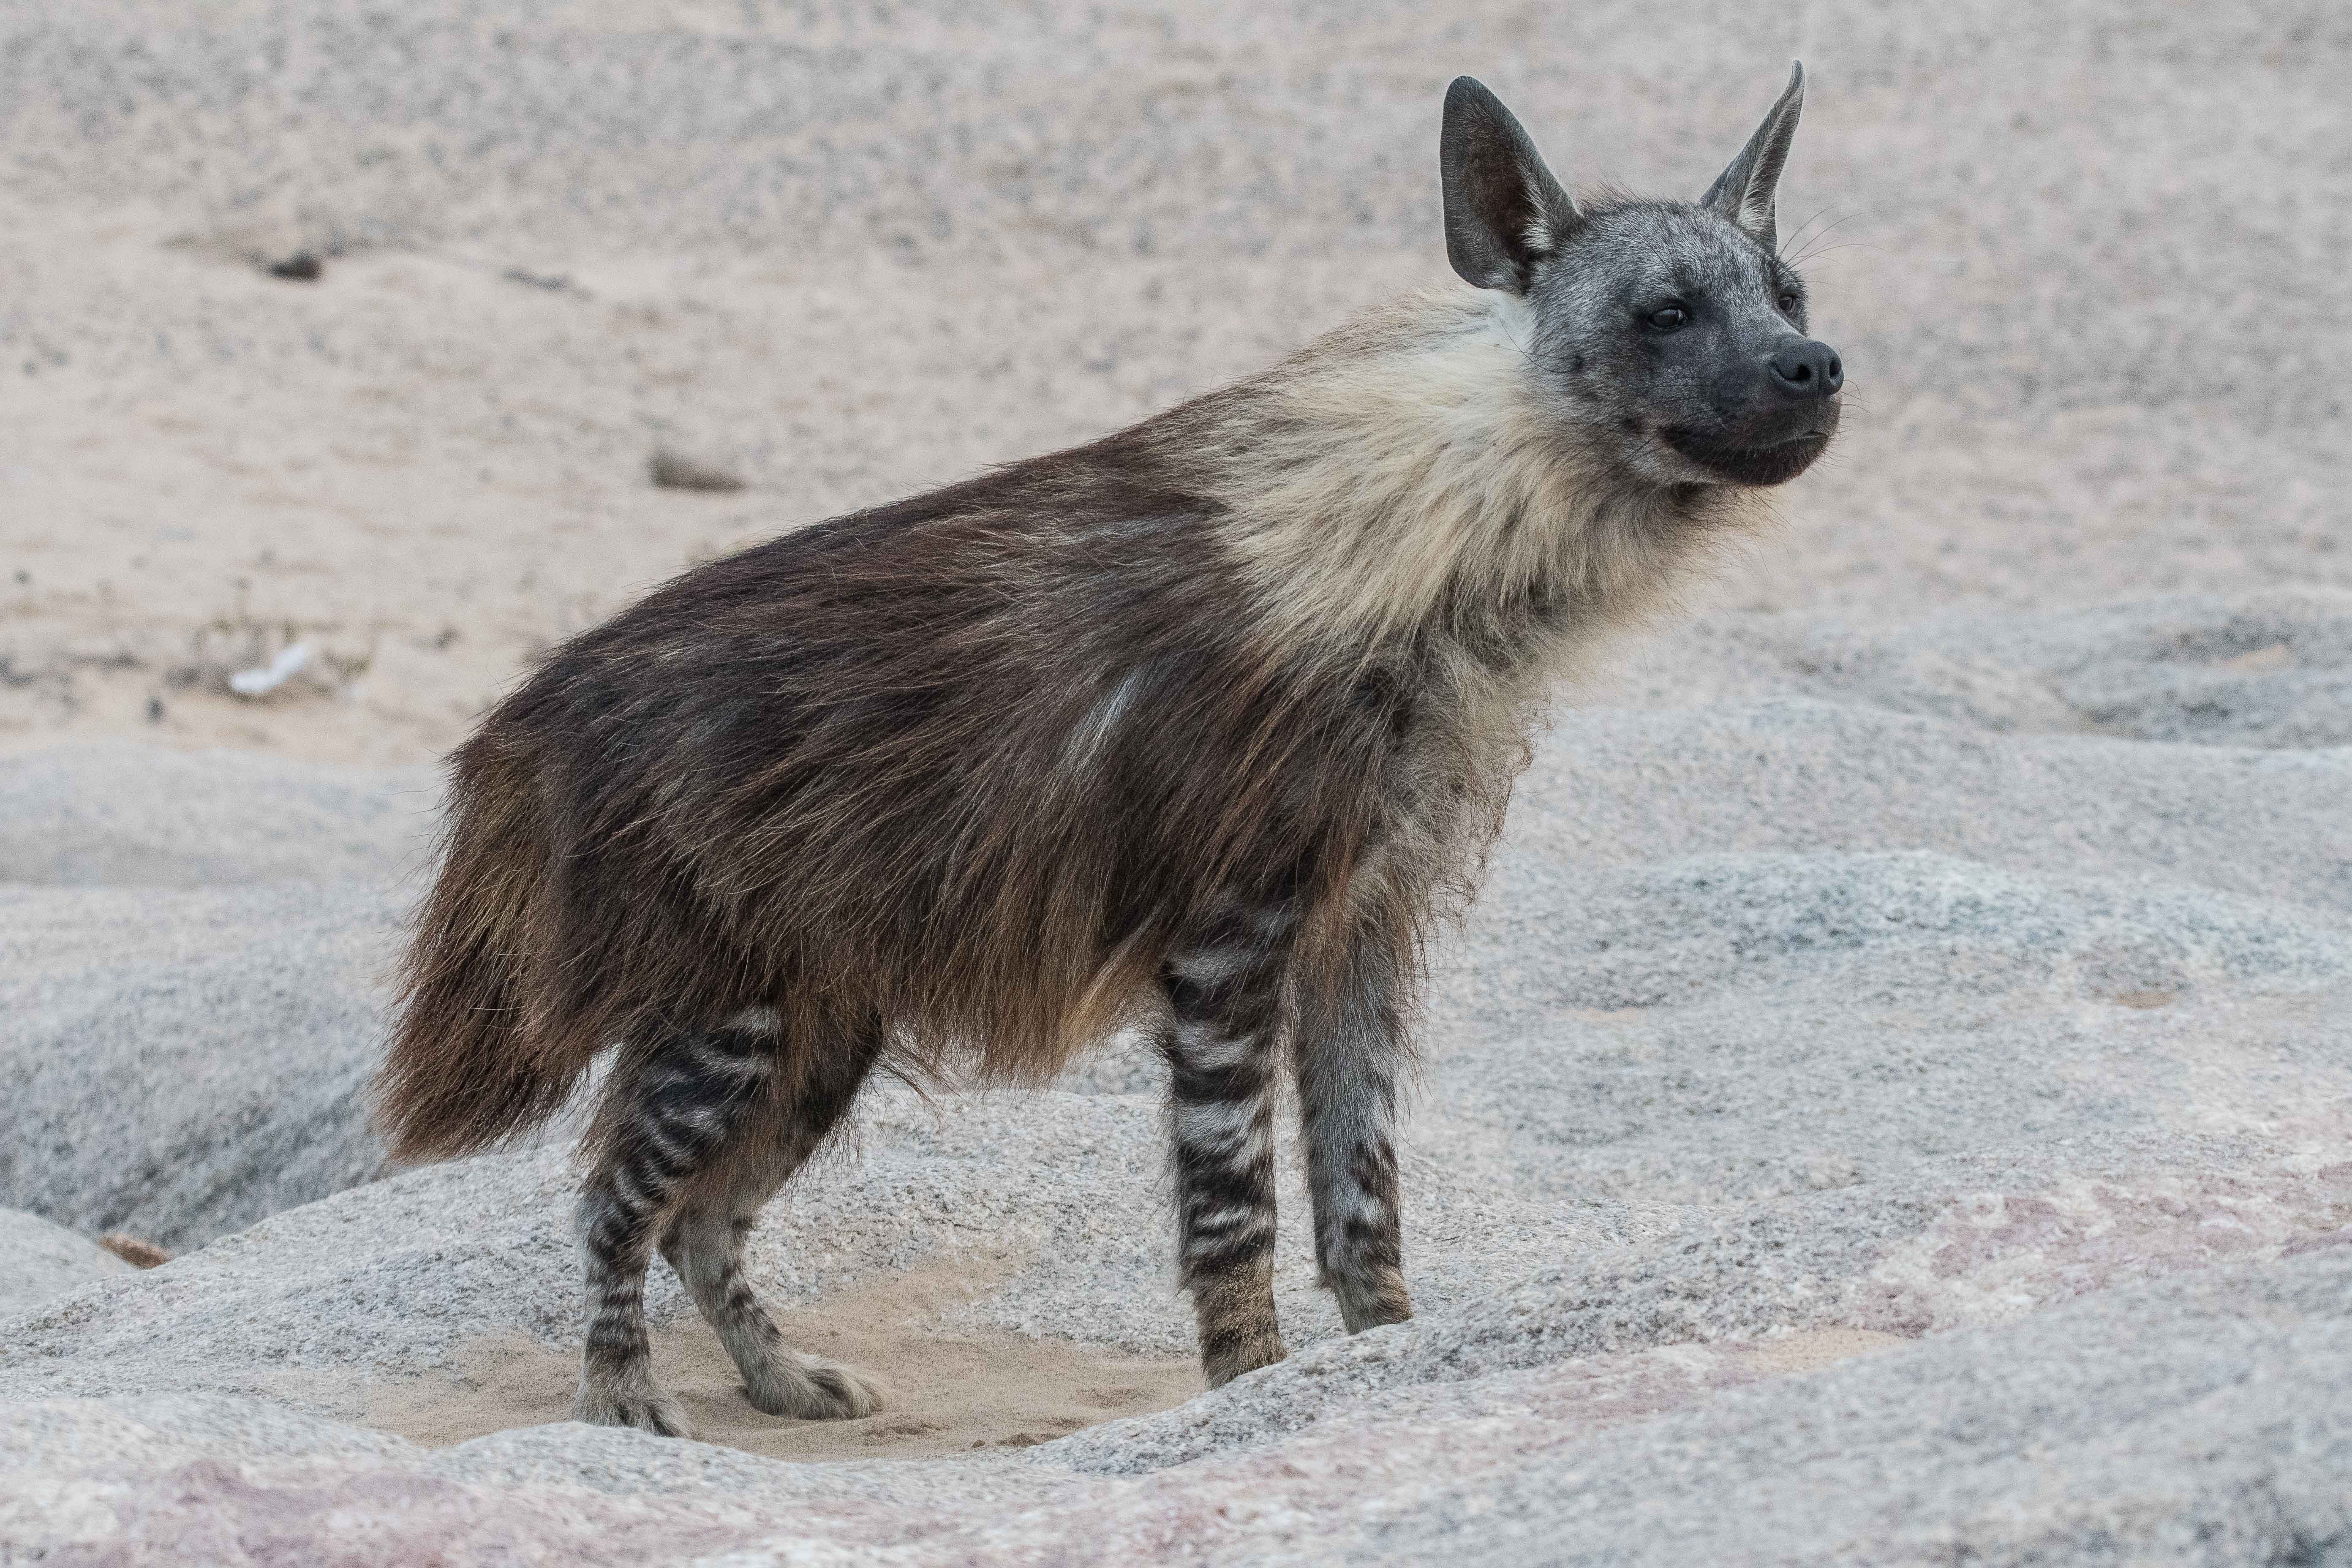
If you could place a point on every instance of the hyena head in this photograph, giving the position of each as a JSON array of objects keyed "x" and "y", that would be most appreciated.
[{"x": 1670, "y": 333}]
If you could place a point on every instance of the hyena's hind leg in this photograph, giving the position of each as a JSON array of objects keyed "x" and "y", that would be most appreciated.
[
  {"x": 1223, "y": 991},
  {"x": 704, "y": 1240},
  {"x": 667, "y": 1113},
  {"x": 1350, "y": 1049},
  {"x": 673, "y": 1116}
]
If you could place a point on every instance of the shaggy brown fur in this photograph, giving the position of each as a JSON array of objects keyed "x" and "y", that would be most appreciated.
[
  {"x": 1195, "y": 725},
  {"x": 969, "y": 763}
]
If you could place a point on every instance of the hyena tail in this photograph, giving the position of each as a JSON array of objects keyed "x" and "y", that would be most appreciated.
[{"x": 467, "y": 1067}]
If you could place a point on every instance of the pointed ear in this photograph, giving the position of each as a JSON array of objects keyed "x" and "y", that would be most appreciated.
[
  {"x": 1504, "y": 212},
  {"x": 1744, "y": 191}
]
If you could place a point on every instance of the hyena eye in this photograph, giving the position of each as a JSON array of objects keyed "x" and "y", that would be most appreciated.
[
  {"x": 1668, "y": 318},
  {"x": 1788, "y": 304}
]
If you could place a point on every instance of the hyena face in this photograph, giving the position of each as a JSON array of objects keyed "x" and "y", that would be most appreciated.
[
  {"x": 1680, "y": 341},
  {"x": 1671, "y": 335}
]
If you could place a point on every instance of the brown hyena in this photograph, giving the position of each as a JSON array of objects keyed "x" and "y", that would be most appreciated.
[{"x": 1192, "y": 727}]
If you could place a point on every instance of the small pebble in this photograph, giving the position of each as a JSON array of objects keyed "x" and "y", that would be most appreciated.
[{"x": 672, "y": 472}]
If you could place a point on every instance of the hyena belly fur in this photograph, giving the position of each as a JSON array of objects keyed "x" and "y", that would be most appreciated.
[{"x": 1192, "y": 727}]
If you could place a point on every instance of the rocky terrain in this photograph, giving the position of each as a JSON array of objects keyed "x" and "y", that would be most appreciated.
[{"x": 1892, "y": 1102}]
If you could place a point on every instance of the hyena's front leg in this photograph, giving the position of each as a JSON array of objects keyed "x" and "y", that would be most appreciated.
[
  {"x": 1224, "y": 1001},
  {"x": 1350, "y": 1047}
]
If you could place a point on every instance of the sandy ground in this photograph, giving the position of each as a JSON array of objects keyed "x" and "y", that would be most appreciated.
[
  {"x": 949, "y": 1390},
  {"x": 2082, "y": 262},
  {"x": 950, "y": 1393}
]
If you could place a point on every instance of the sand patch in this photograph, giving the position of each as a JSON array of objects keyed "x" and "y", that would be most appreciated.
[{"x": 946, "y": 1391}]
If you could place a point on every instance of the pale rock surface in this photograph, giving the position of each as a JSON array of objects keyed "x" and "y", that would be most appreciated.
[
  {"x": 1794, "y": 1030},
  {"x": 180, "y": 1062},
  {"x": 2197, "y": 1421},
  {"x": 39, "y": 1260},
  {"x": 207, "y": 820}
]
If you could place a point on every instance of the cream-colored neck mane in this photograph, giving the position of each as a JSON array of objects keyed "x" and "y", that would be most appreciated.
[{"x": 1411, "y": 463}]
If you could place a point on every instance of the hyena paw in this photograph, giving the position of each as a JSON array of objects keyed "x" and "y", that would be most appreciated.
[
  {"x": 850, "y": 1393},
  {"x": 1369, "y": 1302},
  {"x": 812, "y": 1390},
  {"x": 646, "y": 1408},
  {"x": 1229, "y": 1361}
]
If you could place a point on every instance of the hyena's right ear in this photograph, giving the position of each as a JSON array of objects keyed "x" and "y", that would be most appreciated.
[{"x": 1504, "y": 212}]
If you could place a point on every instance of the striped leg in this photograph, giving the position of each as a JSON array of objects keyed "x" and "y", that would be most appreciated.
[
  {"x": 1349, "y": 1048},
  {"x": 704, "y": 1242},
  {"x": 1224, "y": 995},
  {"x": 683, "y": 1101}
]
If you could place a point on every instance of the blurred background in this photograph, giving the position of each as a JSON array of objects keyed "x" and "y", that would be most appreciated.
[{"x": 2086, "y": 263}]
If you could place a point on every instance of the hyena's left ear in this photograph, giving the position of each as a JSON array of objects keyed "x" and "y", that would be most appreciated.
[
  {"x": 1504, "y": 212},
  {"x": 1744, "y": 191}
]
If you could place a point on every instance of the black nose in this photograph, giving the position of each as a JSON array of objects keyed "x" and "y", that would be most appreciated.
[{"x": 1803, "y": 368}]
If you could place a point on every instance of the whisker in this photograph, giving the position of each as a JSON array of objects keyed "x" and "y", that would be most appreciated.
[
  {"x": 1849, "y": 244},
  {"x": 1796, "y": 235},
  {"x": 1822, "y": 234}
]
